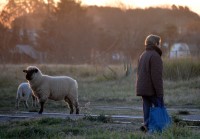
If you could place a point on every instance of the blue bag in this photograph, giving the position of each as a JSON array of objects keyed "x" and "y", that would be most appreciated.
[{"x": 158, "y": 119}]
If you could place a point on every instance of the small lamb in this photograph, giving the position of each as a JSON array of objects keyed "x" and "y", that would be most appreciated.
[
  {"x": 23, "y": 94},
  {"x": 53, "y": 87}
]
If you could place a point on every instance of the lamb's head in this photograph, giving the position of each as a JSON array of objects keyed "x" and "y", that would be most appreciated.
[{"x": 32, "y": 72}]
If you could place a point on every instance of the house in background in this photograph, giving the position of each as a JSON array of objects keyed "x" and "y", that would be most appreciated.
[
  {"x": 26, "y": 53},
  {"x": 25, "y": 50},
  {"x": 179, "y": 50}
]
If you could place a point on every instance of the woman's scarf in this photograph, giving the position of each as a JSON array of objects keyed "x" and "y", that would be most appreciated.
[{"x": 153, "y": 47}]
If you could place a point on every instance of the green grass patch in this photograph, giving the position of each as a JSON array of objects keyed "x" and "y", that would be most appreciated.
[
  {"x": 83, "y": 128},
  {"x": 100, "y": 118}
]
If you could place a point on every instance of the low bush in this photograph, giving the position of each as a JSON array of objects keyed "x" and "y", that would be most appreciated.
[{"x": 181, "y": 69}]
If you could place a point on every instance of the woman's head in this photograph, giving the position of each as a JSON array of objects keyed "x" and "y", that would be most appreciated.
[{"x": 153, "y": 40}]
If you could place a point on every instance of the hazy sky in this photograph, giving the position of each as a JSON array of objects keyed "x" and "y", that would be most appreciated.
[{"x": 194, "y": 5}]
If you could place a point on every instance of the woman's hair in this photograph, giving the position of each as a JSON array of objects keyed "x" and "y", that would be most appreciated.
[{"x": 152, "y": 40}]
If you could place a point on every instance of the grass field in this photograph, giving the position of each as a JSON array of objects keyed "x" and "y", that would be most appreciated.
[
  {"x": 98, "y": 86},
  {"x": 87, "y": 129}
]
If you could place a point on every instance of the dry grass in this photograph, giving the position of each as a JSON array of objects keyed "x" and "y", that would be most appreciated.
[
  {"x": 181, "y": 69},
  {"x": 99, "y": 85}
]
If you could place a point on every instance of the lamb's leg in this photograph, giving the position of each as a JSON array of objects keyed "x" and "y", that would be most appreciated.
[
  {"x": 41, "y": 107},
  {"x": 70, "y": 104},
  {"x": 17, "y": 103},
  {"x": 36, "y": 104},
  {"x": 33, "y": 101},
  {"x": 26, "y": 104}
]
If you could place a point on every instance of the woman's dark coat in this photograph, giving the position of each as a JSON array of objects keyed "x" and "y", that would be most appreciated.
[{"x": 149, "y": 73}]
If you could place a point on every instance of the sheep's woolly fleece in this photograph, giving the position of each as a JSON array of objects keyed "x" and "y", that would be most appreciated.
[
  {"x": 23, "y": 94},
  {"x": 53, "y": 87}
]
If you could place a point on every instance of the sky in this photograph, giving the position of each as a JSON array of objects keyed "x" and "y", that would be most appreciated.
[{"x": 194, "y": 5}]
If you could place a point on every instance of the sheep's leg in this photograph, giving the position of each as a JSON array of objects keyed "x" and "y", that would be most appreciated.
[
  {"x": 36, "y": 104},
  {"x": 77, "y": 107},
  {"x": 41, "y": 107},
  {"x": 32, "y": 100},
  {"x": 71, "y": 108},
  {"x": 70, "y": 104}
]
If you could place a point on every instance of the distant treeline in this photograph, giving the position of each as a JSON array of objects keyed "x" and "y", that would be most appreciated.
[{"x": 67, "y": 32}]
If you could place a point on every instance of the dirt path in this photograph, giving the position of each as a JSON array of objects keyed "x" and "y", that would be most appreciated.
[
  {"x": 30, "y": 115},
  {"x": 195, "y": 116}
]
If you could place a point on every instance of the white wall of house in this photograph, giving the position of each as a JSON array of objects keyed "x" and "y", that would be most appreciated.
[{"x": 179, "y": 50}]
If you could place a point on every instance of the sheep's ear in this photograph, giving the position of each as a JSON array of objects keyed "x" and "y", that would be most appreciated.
[
  {"x": 25, "y": 71},
  {"x": 36, "y": 70}
]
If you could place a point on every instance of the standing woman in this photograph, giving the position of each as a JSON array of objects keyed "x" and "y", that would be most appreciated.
[{"x": 149, "y": 83}]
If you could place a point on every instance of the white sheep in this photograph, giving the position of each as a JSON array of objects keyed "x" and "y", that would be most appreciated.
[
  {"x": 52, "y": 87},
  {"x": 24, "y": 92}
]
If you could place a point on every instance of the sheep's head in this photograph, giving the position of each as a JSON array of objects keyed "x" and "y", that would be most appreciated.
[{"x": 30, "y": 72}]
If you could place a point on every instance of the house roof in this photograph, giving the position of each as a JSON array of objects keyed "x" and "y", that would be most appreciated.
[
  {"x": 180, "y": 47},
  {"x": 26, "y": 49}
]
